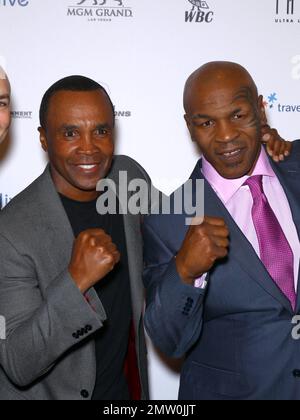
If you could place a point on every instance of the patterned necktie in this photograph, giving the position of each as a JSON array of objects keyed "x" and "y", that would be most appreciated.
[{"x": 275, "y": 251}]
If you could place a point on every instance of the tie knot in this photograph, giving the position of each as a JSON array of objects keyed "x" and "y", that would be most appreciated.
[{"x": 255, "y": 183}]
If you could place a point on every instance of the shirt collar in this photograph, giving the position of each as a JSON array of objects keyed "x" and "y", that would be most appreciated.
[{"x": 227, "y": 188}]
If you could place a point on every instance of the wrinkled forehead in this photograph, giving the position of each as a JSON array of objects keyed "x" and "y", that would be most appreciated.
[{"x": 219, "y": 94}]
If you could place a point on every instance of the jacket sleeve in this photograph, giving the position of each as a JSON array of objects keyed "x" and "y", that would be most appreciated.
[
  {"x": 174, "y": 310},
  {"x": 40, "y": 329}
]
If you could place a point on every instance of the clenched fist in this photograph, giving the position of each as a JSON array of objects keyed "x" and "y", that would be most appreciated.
[
  {"x": 94, "y": 256},
  {"x": 203, "y": 246}
]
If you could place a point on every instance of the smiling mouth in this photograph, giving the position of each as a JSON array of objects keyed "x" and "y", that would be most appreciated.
[
  {"x": 232, "y": 155},
  {"x": 91, "y": 168},
  {"x": 87, "y": 167}
]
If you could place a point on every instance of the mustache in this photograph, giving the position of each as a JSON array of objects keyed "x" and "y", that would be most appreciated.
[
  {"x": 230, "y": 146},
  {"x": 89, "y": 160}
]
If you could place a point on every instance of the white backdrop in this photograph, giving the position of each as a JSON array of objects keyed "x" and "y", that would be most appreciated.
[{"x": 142, "y": 52}]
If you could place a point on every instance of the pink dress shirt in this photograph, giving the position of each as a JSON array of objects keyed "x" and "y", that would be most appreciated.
[{"x": 238, "y": 200}]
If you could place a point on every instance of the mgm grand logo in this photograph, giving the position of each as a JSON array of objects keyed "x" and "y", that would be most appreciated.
[{"x": 100, "y": 10}]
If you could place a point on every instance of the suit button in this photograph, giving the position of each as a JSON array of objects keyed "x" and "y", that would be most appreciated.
[
  {"x": 87, "y": 329},
  {"x": 84, "y": 393},
  {"x": 296, "y": 373}
]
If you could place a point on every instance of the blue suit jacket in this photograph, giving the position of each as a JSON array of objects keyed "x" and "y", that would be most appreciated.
[{"x": 236, "y": 334}]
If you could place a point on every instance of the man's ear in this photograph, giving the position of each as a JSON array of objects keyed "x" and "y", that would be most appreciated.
[
  {"x": 43, "y": 139},
  {"x": 187, "y": 120},
  {"x": 262, "y": 110},
  {"x": 189, "y": 126}
]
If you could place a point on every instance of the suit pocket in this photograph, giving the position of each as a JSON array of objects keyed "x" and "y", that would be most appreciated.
[{"x": 218, "y": 382}]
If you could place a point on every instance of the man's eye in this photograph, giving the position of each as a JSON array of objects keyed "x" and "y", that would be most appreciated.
[
  {"x": 238, "y": 116},
  {"x": 70, "y": 134},
  {"x": 102, "y": 132},
  {"x": 3, "y": 104},
  {"x": 207, "y": 124}
]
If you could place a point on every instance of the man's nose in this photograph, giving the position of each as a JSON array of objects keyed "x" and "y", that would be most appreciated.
[
  {"x": 226, "y": 132},
  {"x": 87, "y": 144}
]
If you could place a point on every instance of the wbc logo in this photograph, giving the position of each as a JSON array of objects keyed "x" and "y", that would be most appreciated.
[
  {"x": 200, "y": 12},
  {"x": 199, "y": 4}
]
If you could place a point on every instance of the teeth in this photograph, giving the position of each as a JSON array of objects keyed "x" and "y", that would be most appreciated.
[
  {"x": 232, "y": 153},
  {"x": 87, "y": 166}
]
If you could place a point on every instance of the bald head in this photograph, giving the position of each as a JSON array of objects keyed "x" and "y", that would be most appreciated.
[
  {"x": 5, "y": 117},
  {"x": 215, "y": 76}
]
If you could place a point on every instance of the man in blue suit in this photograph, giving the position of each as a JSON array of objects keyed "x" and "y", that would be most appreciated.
[{"x": 224, "y": 292}]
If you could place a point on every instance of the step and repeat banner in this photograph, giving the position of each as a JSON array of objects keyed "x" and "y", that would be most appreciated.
[{"x": 142, "y": 51}]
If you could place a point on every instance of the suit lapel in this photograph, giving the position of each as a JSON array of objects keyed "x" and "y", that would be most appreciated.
[
  {"x": 288, "y": 173},
  {"x": 55, "y": 229},
  {"x": 135, "y": 258},
  {"x": 132, "y": 227},
  {"x": 58, "y": 236},
  {"x": 240, "y": 248}
]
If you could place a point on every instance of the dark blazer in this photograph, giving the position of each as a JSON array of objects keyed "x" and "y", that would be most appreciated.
[
  {"x": 236, "y": 334},
  {"x": 43, "y": 357}
]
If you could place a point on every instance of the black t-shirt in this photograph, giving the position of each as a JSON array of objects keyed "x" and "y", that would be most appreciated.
[{"x": 114, "y": 293}]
